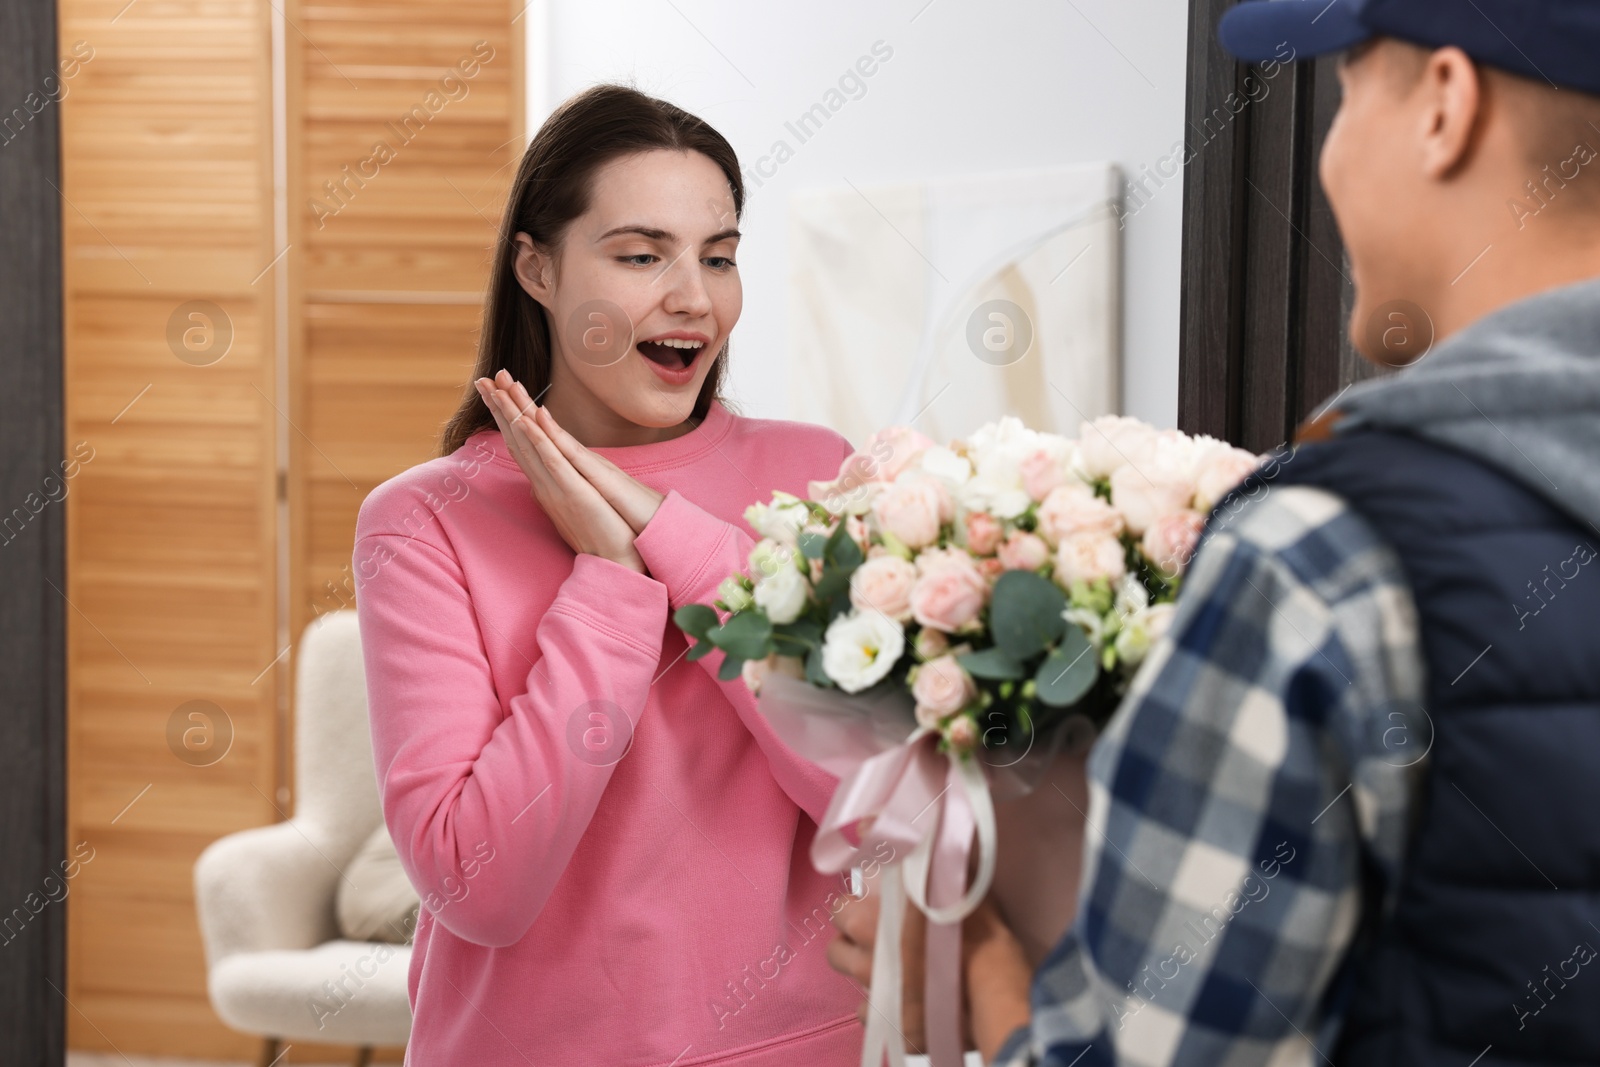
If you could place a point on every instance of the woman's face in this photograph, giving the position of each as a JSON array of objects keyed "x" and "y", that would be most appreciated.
[{"x": 643, "y": 292}]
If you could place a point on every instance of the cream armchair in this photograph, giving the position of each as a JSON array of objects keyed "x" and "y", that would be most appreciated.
[{"x": 276, "y": 964}]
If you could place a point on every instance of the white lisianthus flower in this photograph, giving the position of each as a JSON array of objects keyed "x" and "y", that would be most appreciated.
[
  {"x": 860, "y": 647},
  {"x": 768, "y": 557},
  {"x": 1141, "y": 630},
  {"x": 1131, "y": 597},
  {"x": 731, "y": 591},
  {"x": 1091, "y": 622},
  {"x": 783, "y": 594},
  {"x": 781, "y": 519}
]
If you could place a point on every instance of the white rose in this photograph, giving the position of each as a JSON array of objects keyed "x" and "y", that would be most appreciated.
[
  {"x": 1003, "y": 455},
  {"x": 1089, "y": 556},
  {"x": 1110, "y": 442},
  {"x": 860, "y": 647},
  {"x": 949, "y": 468}
]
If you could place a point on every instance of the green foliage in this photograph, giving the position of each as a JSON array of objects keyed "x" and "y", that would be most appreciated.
[
  {"x": 1068, "y": 672},
  {"x": 1025, "y": 613},
  {"x": 747, "y": 635},
  {"x": 991, "y": 663}
]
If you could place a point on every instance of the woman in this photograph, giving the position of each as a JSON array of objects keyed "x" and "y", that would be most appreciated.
[{"x": 610, "y": 842}]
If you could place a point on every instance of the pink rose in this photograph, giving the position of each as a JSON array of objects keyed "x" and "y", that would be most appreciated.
[
  {"x": 884, "y": 583},
  {"x": 1221, "y": 470},
  {"x": 983, "y": 533},
  {"x": 962, "y": 734},
  {"x": 892, "y": 449},
  {"x": 1144, "y": 497},
  {"x": 1086, "y": 557},
  {"x": 1075, "y": 509},
  {"x": 942, "y": 688},
  {"x": 856, "y": 527},
  {"x": 912, "y": 511},
  {"x": 990, "y": 568},
  {"x": 1023, "y": 551},
  {"x": 1041, "y": 472},
  {"x": 1170, "y": 541},
  {"x": 950, "y": 592},
  {"x": 930, "y": 644}
]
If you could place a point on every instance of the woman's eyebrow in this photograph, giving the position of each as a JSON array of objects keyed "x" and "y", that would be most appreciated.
[{"x": 655, "y": 234}]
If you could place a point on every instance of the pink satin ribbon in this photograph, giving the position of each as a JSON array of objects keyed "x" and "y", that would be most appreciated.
[{"x": 921, "y": 802}]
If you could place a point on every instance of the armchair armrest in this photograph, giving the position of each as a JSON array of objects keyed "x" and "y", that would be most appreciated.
[{"x": 268, "y": 887}]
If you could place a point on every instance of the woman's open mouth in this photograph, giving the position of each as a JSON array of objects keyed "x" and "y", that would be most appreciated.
[{"x": 672, "y": 358}]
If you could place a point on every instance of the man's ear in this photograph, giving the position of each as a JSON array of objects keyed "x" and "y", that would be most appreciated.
[
  {"x": 1452, "y": 112},
  {"x": 535, "y": 269}
]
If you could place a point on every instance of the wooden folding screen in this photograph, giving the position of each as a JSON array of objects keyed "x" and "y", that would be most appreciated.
[{"x": 261, "y": 324}]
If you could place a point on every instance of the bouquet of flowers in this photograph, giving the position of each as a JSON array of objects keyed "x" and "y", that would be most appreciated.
[{"x": 967, "y": 598}]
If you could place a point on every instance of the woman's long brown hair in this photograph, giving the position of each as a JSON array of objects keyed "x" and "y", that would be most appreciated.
[{"x": 552, "y": 188}]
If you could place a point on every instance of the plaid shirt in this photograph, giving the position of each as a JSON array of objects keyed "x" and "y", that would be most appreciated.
[{"x": 1273, "y": 737}]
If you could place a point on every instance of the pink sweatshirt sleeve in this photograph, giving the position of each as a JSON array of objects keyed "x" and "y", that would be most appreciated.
[
  {"x": 690, "y": 551},
  {"x": 458, "y": 781}
]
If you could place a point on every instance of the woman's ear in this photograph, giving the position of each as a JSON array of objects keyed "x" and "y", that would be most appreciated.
[{"x": 534, "y": 268}]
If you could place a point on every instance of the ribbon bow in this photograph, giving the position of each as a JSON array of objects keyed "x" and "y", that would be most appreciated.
[{"x": 926, "y": 806}]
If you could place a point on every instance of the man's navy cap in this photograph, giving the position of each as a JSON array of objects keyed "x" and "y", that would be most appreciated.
[{"x": 1554, "y": 41}]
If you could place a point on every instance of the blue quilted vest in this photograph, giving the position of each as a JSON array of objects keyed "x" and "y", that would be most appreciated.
[{"x": 1493, "y": 949}]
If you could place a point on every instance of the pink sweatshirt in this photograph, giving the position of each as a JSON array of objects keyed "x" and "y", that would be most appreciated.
[{"x": 611, "y": 845}]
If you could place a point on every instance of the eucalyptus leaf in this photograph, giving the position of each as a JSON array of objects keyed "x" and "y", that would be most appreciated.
[
  {"x": 806, "y": 630},
  {"x": 1025, "y": 613},
  {"x": 695, "y": 619},
  {"x": 814, "y": 672},
  {"x": 1069, "y": 671},
  {"x": 812, "y": 544},
  {"x": 730, "y": 668},
  {"x": 991, "y": 663},
  {"x": 746, "y": 635}
]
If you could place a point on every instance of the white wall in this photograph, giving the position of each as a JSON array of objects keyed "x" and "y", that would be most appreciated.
[{"x": 971, "y": 86}]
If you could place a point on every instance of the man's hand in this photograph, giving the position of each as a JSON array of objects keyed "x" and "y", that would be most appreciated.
[
  {"x": 997, "y": 979},
  {"x": 851, "y": 954}
]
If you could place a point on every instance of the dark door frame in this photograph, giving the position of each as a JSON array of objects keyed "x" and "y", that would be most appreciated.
[
  {"x": 33, "y": 821},
  {"x": 1266, "y": 292}
]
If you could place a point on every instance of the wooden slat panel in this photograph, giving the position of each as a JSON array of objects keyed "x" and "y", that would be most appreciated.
[
  {"x": 171, "y": 540},
  {"x": 172, "y": 536},
  {"x": 394, "y": 247}
]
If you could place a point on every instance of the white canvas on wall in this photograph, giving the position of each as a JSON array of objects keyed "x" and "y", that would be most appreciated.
[{"x": 949, "y": 302}]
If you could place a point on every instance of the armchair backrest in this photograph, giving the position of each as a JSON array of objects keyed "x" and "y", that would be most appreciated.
[{"x": 336, "y": 788}]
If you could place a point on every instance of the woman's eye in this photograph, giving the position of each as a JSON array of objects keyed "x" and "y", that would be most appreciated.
[
  {"x": 634, "y": 260},
  {"x": 719, "y": 262}
]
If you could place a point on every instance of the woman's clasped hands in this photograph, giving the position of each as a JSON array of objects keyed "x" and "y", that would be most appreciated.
[{"x": 596, "y": 506}]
